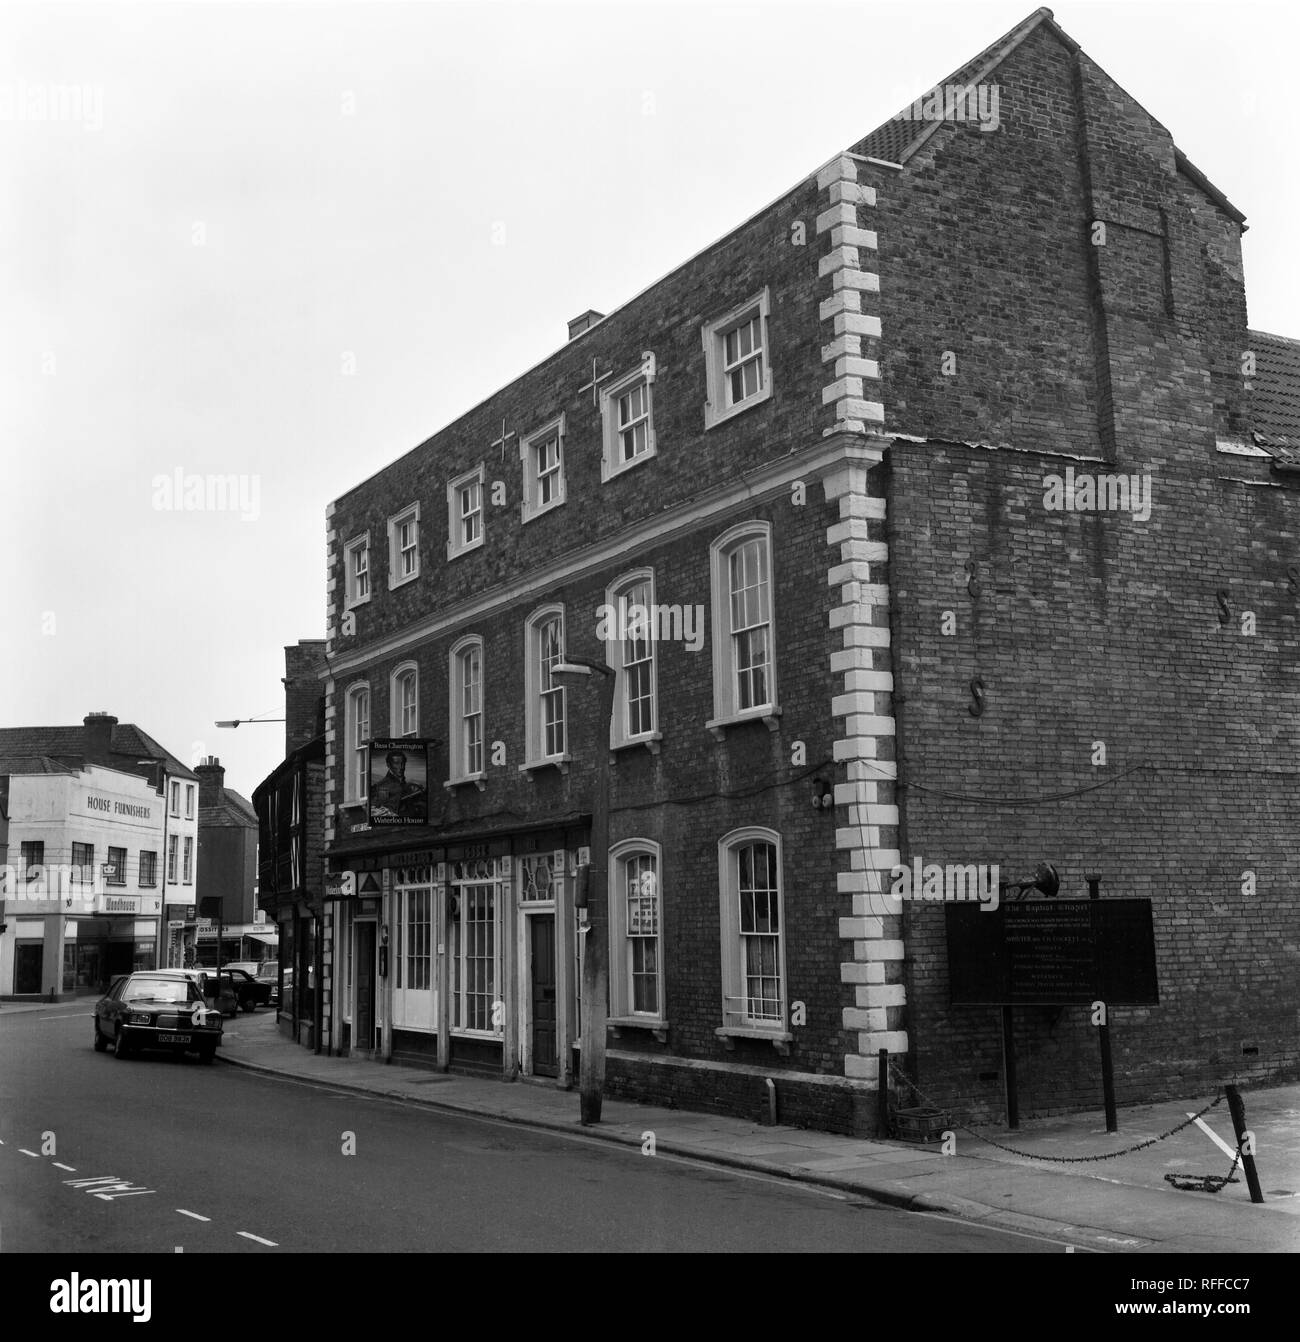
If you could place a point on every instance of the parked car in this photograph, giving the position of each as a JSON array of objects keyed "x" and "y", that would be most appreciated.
[
  {"x": 268, "y": 972},
  {"x": 250, "y": 993},
  {"x": 156, "y": 1009}
]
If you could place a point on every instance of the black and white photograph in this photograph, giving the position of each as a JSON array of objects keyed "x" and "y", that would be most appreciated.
[{"x": 650, "y": 627}]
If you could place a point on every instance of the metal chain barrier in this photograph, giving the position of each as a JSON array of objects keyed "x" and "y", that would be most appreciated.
[{"x": 1076, "y": 1160}]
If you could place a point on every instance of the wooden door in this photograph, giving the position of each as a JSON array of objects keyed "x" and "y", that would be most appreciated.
[
  {"x": 363, "y": 1018},
  {"x": 541, "y": 935}
]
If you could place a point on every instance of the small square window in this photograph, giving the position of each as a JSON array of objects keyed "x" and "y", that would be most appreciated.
[
  {"x": 465, "y": 512},
  {"x": 404, "y": 546},
  {"x": 737, "y": 362},
  {"x": 542, "y": 454},
  {"x": 627, "y": 416}
]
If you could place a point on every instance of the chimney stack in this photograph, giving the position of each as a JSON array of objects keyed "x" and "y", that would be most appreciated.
[
  {"x": 212, "y": 781},
  {"x": 584, "y": 323},
  {"x": 304, "y": 693},
  {"x": 99, "y": 736}
]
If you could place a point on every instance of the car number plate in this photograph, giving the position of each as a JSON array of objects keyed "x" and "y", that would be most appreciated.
[{"x": 173, "y": 1039}]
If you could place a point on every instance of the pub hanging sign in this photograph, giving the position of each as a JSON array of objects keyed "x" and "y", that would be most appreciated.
[{"x": 399, "y": 782}]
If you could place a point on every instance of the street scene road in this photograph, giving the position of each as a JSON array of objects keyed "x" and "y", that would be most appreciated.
[{"x": 214, "y": 1159}]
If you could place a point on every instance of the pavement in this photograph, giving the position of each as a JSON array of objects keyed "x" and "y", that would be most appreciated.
[{"x": 1117, "y": 1200}]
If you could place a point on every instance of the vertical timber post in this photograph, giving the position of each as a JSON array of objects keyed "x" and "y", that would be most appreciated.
[
  {"x": 1238, "y": 1111},
  {"x": 1103, "y": 1034}
]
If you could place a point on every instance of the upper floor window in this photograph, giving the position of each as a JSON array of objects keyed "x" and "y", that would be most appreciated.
[
  {"x": 737, "y": 366},
  {"x": 356, "y": 566},
  {"x": 630, "y": 607},
  {"x": 465, "y": 512},
  {"x": 189, "y": 801},
  {"x": 176, "y": 799},
  {"x": 744, "y": 659},
  {"x": 172, "y": 845},
  {"x": 83, "y": 862},
  {"x": 148, "y": 867},
  {"x": 466, "y": 724},
  {"x": 33, "y": 858},
  {"x": 116, "y": 875},
  {"x": 404, "y": 699},
  {"x": 404, "y": 546},
  {"x": 545, "y": 704},
  {"x": 753, "y": 951},
  {"x": 543, "y": 460},
  {"x": 635, "y": 958},
  {"x": 356, "y": 753},
  {"x": 187, "y": 876},
  {"x": 628, "y": 421}
]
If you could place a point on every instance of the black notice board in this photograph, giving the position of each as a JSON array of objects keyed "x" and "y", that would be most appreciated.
[{"x": 1052, "y": 952}]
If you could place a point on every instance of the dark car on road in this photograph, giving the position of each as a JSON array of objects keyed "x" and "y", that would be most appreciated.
[
  {"x": 156, "y": 1009},
  {"x": 249, "y": 992}
]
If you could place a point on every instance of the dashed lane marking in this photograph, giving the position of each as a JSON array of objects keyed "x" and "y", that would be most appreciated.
[
  {"x": 270, "y": 1243},
  {"x": 35, "y": 1155},
  {"x": 59, "y": 1165},
  {"x": 195, "y": 1215}
]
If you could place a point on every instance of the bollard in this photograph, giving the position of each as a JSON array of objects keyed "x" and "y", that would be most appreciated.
[{"x": 1238, "y": 1111}]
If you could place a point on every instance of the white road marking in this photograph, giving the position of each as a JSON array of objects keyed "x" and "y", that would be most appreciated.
[
  {"x": 34, "y": 1154},
  {"x": 270, "y": 1243},
  {"x": 80, "y": 1015},
  {"x": 1214, "y": 1137},
  {"x": 181, "y": 1211},
  {"x": 58, "y": 1165}
]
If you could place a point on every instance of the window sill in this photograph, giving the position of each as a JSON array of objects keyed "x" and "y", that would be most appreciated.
[
  {"x": 658, "y": 1028},
  {"x": 650, "y": 741},
  {"x": 779, "y": 1039},
  {"x": 491, "y": 1035},
  {"x": 352, "y": 602},
  {"x": 560, "y": 762},
  {"x": 456, "y": 551},
  {"x": 770, "y": 717},
  {"x": 712, "y": 417},
  {"x": 527, "y": 514},
  {"x": 608, "y": 472},
  {"x": 395, "y": 583},
  {"x": 476, "y": 780}
]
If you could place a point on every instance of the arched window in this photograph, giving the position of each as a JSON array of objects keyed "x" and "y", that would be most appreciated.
[
  {"x": 636, "y": 969},
  {"x": 752, "y": 923},
  {"x": 465, "y": 730},
  {"x": 356, "y": 753},
  {"x": 544, "y": 710},
  {"x": 404, "y": 700}
]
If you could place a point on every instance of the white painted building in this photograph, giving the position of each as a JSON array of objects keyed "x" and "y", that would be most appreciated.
[{"x": 89, "y": 856}]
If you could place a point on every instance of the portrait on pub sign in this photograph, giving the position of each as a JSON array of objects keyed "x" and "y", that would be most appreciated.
[{"x": 399, "y": 782}]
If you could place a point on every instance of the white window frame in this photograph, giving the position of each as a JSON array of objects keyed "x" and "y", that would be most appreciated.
[
  {"x": 456, "y": 542},
  {"x": 622, "y": 1011},
  {"x": 356, "y": 764},
  {"x": 187, "y": 861},
  {"x": 456, "y": 717},
  {"x": 718, "y": 405},
  {"x": 354, "y": 595},
  {"x": 726, "y": 696},
  {"x": 396, "y": 554},
  {"x": 615, "y": 652},
  {"x": 189, "y": 801},
  {"x": 530, "y": 507},
  {"x": 395, "y": 705},
  {"x": 173, "y": 852},
  {"x": 736, "y": 1017},
  {"x": 175, "y": 800},
  {"x": 534, "y": 723},
  {"x": 458, "y": 942},
  {"x": 414, "y": 916},
  {"x": 611, "y": 459}
]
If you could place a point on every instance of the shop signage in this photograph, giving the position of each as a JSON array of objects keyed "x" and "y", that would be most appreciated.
[{"x": 399, "y": 782}]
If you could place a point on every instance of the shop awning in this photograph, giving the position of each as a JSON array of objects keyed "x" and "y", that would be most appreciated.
[{"x": 266, "y": 938}]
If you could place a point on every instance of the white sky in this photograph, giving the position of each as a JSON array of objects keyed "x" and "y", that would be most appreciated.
[{"x": 611, "y": 141}]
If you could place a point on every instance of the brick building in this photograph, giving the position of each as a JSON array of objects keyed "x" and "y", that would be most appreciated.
[
  {"x": 824, "y": 497},
  {"x": 289, "y": 804},
  {"x": 228, "y": 853}
]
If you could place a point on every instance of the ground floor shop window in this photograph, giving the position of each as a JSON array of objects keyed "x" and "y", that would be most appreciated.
[{"x": 475, "y": 950}]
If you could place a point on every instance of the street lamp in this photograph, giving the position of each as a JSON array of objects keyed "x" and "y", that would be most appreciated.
[
  {"x": 234, "y": 722},
  {"x": 595, "y": 969}
]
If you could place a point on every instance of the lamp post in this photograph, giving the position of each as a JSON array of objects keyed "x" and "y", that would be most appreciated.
[{"x": 595, "y": 967}]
